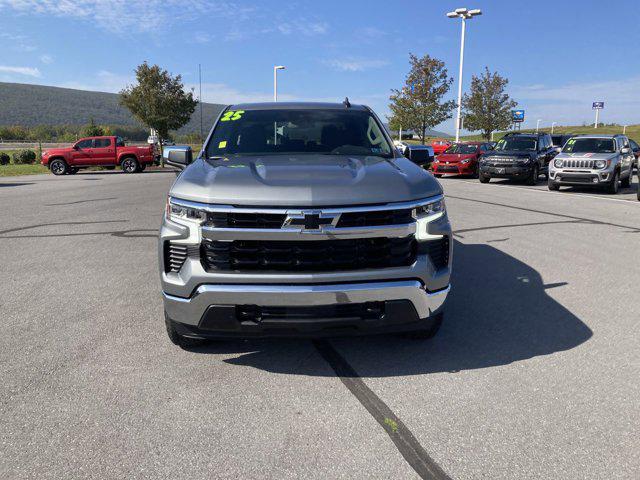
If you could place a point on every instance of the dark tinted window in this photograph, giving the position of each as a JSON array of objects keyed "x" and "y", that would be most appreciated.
[
  {"x": 326, "y": 131},
  {"x": 634, "y": 145},
  {"x": 119, "y": 142},
  {"x": 102, "y": 143},
  {"x": 590, "y": 145},
  {"x": 461, "y": 148},
  {"x": 85, "y": 143},
  {"x": 516, "y": 143}
]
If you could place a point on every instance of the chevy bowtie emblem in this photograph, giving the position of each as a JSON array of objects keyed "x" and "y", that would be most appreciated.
[{"x": 311, "y": 221}]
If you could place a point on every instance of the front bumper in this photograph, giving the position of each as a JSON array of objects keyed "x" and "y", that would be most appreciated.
[
  {"x": 580, "y": 176},
  {"x": 454, "y": 168},
  {"x": 236, "y": 310},
  {"x": 518, "y": 172}
]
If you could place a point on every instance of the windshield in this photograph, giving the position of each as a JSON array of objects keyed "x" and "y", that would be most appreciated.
[
  {"x": 462, "y": 149},
  {"x": 273, "y": 132},
  {"x": 590, "y": 145},
  {"x": 516, "y": 144}
]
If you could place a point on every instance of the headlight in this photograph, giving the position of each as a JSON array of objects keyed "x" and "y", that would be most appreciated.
[
  {"x": 558, "y": 162},
  {"x": 181, "y": 212},
  {"x": 425, "y": 214},
  {"x": 601, "y": 163},
  {"x": 466, "y": 160},
  {"x": 524, "y": 161},
  {"x": 429, "y": 209}
]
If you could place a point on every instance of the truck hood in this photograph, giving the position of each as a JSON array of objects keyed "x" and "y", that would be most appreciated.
[
  {"x": 304, "y": 180},
  {"x": 586, "y": 156},
  {"x": 509, "y": 153}
]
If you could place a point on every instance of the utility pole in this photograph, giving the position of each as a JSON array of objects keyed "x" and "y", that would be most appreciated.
[
  {"x": 275, "y": 81},
  {"x": 464, "y": 14},
  {"x": 200, "y": 95}
]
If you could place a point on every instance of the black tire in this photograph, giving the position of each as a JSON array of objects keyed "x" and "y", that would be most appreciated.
[
  {"x": 142, "y": 167},
  {"x": 533, "y": 178},
  {"x": 180, "y": 340},
  {"x": 626, "y": 183},
  {"x": 614, "y": 184},
  {"x": 437, "y": 175},
  {"x": 72, "y": 171},
  {"x": 130, "y": 165},
  {"x": 554, "y": 187},
  {"x": 58, "y": 166},
  {"x": 484, "y": 179},
  {"x": 427, "y": 333}
]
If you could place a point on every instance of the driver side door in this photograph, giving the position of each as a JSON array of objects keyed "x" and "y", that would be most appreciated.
[{"x": 81, "y": 153}]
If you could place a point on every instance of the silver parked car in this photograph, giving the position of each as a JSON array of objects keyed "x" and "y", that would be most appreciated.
[
  {"x": 604, "y": 161},
  {"x": 302, "y": 219}
]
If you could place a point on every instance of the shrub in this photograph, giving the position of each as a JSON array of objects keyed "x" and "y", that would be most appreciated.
[
  {"x": 4, "y": 159},
  {"x": 24, "y": 157}
]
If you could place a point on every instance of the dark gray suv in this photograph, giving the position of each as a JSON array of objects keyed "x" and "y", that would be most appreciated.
[{"x": 302, "y": 219}]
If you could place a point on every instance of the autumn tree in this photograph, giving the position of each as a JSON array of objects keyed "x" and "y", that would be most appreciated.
[
  {"x": 158, "y": 100},
  {"x": 487, "y": 108},
  {"x": 419, "y": 104}
]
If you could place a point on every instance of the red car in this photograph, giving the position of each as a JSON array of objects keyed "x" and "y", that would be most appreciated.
[
  {"x": 98, "y": 152},
  {"x": 440, "y": 145},
  {"x": 460, "y": 158}
]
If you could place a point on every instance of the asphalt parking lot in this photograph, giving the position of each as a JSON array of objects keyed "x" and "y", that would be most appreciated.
[{"x": 533, "y": 375}]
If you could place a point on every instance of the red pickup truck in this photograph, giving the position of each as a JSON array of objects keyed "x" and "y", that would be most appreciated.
[{"x": 107, "y": 152}]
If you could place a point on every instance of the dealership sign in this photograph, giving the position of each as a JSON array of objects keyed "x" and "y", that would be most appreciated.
[
  {"x": 598, "y": 105},
  {"x": 517, "y": 115}
]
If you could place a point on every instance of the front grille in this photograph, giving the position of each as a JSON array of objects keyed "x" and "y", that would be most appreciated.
[
  {"x": 375, "y": 218},
  {"x": 578, "y": 163},
  {"x": 244, "y": 220},
  {"x": 575, "y": 178},
  {"x": 438, "y": 251},
  {"x": 257, "y": 313},
  {"x": 308, "y": 256},
  {"x": 276, "y": 220},
  {"x": 175, "y": 254}
]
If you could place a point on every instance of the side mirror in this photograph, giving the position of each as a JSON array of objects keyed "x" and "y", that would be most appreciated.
[
  {"x": 625, "y": 150},
  {"x": 76, "y": 147},
  {"x": 178, "y": 157}
]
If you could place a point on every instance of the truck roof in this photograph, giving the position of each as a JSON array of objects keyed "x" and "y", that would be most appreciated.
[{"x": 296, "y": 106}]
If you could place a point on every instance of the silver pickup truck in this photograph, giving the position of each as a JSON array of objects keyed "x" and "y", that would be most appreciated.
[
  {"x": 603, "y": 161},
  {"x": 301, "y": 219}
]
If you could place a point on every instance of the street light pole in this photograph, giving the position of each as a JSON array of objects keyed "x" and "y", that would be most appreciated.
[
  {"x": 464, "y": 14},
  {"x": 624, "y": 129},
  {"x": 553, "y": 125},
  {"x": 538, "y": 125},
  {"x": 275, "y": 81}
]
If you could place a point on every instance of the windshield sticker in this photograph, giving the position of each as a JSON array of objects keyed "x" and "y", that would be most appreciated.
[
  {"x": 222, "y": 144},
  {"x": 232, "y": 115}
]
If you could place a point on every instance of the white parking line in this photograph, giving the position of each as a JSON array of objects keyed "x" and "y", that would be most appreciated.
[{"x": 471, "y": 182}]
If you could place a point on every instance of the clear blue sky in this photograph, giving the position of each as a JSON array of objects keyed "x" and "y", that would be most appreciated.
[{"x": 558, "y": 55}]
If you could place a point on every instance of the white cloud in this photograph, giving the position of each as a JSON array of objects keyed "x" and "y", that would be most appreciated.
[
  {"x": 20, "y": 43},
  {"x": 46, "y": 59},
  {"x": 128, "y": 15},
  {"x": 28, "y": 71},
  {"x": 355, "y": 65}
]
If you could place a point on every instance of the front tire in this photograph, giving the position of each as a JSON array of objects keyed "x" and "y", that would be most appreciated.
[
  {"x": 130, "y": 165},
  {"x": 614, "y": 185},
  {"x": 483, "y": 179},
  {"x": 58, "y": 167},
  {"x": 430, "y": 331},
  {"x": 535, "y": 173},
  {"x": 554, "y": 187},
  {"x": 626, "y": 183}
]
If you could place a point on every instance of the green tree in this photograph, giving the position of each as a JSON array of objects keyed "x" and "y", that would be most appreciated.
[
  {"x": 488, "y": 107},
  {"x": 92, "y": 130},
  {"x": 419, "y": 104},
  {"x": 158, "y": 100}
]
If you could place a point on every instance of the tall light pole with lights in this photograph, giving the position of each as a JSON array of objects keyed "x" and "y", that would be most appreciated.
[
  {"x": 275, "y": 81},
  {"x": 465, "y": 15}
]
